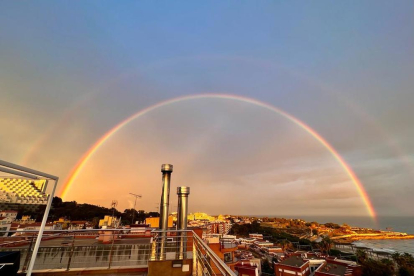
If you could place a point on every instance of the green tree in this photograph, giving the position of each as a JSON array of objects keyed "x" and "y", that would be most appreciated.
[
  {"x": 332, "y": 225},
  {"x": 325, "y": 245},
  {"x": 361, "y": 256},
  {"x": 405, "y": 263},
  {"x": 56, "y": 202},
  {"x": 95, "y": 222},
  {"x": 372, "y": 267},
  {"x": 285, "y": 244},
  {"x": 267, "y": 267},
  {"x": 404, "y": 271}
]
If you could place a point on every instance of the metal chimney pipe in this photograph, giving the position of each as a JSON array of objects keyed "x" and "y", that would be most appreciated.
[
  {"x": 166, "y": 170},
  {"x": 182, "y": 213}
]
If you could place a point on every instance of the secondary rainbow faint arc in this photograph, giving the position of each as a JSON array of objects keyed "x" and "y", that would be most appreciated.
[{"x": 88, "y": 154}]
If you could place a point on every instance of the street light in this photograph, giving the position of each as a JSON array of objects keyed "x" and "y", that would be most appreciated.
[{"x": 133, "y": 213}]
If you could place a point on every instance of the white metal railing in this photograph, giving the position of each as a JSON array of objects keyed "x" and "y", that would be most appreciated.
[
  {"x": 15, "y": 169},
  {"x": 105, "y": 248},
  {"x": 206, "y": 262}
]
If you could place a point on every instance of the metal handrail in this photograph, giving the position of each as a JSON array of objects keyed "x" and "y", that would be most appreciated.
[
  {"x": 202, "y": 253},
  {"x": 169, "y": 231},
  {"x": 69, "y": 231},
  {"x": 217, "y": 261}
]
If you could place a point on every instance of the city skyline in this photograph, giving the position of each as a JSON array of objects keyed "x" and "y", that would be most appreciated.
[{"x": 68, "y": 76}]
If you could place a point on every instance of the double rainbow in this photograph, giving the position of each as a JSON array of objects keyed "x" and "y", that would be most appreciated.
[{"x": 88, "y": 154}]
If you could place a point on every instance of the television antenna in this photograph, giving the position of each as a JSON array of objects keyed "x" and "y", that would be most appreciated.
[
  {"x": 133, "y": 212},
  {"x": 114, "y": 203}
]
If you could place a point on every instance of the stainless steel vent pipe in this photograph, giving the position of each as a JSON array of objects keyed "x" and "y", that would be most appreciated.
[
  {"x": 166, "y": 170},
  {"x": 182, "y": 213}
]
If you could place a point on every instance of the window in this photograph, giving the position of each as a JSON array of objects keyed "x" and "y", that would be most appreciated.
[{"x": 228, "y": 257}]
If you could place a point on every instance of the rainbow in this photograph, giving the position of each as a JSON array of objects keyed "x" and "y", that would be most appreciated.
[{"x": 88, "y": 154}]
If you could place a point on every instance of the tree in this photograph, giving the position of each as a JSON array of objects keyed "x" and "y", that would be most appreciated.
[
  {"x": 95, "y": 222},
  {"x": 332, "y": 225},
  {"x": 325, "y": 245},
  {"x": 141, "y": 216},
  {"x": 405, "y": 263},
  {"x": 372, "y": 267},
  {"x": 127, "y": 216},
  {"x": 361, "y": 256},
  {"x": 266, "y": 267},
  {"x": 404, "y": 271},
  {"x": 153, "y": 215},
  {"x": 56, "y": 202},
  {"x": 285, "y": 244}
]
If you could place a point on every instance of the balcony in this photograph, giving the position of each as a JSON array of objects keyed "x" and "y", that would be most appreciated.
[{"x": 115, "y": 249}]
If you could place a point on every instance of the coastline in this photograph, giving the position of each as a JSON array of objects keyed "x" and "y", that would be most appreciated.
[
  {"x": 351, "y": 239},
  {"x": 387, "y": 234}
]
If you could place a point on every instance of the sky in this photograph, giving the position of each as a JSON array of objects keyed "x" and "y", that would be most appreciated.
[{"x": 71, "y": 71}]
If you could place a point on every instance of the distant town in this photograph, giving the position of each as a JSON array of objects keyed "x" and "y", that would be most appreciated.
[
  {"x": 245, "y": 245},
  {"x": 248, "y": 245}
]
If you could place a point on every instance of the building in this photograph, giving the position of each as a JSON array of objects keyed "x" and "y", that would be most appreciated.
[
  {"x": 79, "y": 224},
  {"x": 109, "y": 221},
  {"x": 222, "y": 217},
  {"x": 30, "y": 226},
  {"x": 263, "y": 244},
  {"x": 16, "y": 193},
  {"x": 6, "y": 219},
  {"x": 224, "y": 249},
  {"x": 338, "y": 268},
  {"x": 274, "y": 251},
  {"x": 140, "y": 230},
  {"x": 308, "y": 263},
  {"x": 218, "y": 227},
  {"x": 200, "y": 216},
  {"x": 247, "y": 241},
  {"x": 155, "y": 221},
  {"x": 256, "y": 236},
  {"x": 62, "y": 223},
  {"x": 5, "y": 224},
  {"x": 9, "y": 214},
  {"x": 25, "y": 220},
  {"x": 247, "y": 269},
  {"x": 293, "y": 265}
]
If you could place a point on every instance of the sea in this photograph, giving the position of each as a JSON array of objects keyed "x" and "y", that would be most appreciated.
[{"x": 397, "y": 223}]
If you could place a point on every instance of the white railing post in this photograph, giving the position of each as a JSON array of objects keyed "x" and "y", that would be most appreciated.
[
  {"x": 42, "y": 228},
  {"x": 30, "y": 173}
]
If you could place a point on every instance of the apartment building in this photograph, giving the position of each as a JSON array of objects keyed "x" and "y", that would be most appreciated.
[
  {"x": 293, "y": 265},
  {"x": 309, "y": 264}
]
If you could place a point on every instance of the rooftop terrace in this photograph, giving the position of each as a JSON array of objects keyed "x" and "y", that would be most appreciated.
[
  {"x": 295, "y": 261},
  {"x": 115, "y": 251}
]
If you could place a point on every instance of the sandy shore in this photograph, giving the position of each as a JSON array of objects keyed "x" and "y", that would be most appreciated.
[{"x": 379, "y": 237}]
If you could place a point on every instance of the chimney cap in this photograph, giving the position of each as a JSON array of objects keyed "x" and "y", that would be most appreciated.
[
  {"x": 166, "y": 168},
  {"x": 183, "y": 190}
]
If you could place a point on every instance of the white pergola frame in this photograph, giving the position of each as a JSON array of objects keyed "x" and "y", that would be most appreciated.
[{"x": 14, "y": 169}]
